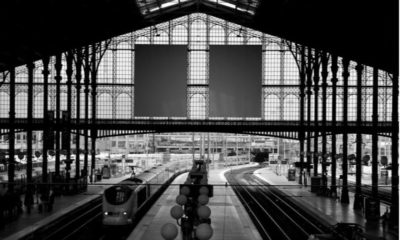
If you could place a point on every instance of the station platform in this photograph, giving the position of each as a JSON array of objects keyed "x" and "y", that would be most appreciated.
[
  {"x": 29, "y": 222},
  {"x": 229, "y": 219},
  {"x": 328, "y": 210}
]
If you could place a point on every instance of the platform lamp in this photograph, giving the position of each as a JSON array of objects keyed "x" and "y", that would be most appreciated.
[{"x": 192, "y": 214}]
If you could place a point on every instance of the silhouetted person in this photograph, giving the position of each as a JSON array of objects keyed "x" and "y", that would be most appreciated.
[{"x": 28, "y": 202}]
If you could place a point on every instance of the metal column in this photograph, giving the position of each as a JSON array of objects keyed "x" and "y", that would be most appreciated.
[
  {"x": 395, "y": 153},
  {"x": 11, "y": 134},
  {"x": 302, "y": 96},
  {"x": 46, "y": 133},
  {"x": 86, "y": 131},
  {"x": 93, "y": 130},
  {"x": 78, "y": 76},
  {"x": 375, "y": 135},
  {"x": 309, "y": 92},
  {"x": 67, "y": 138},
  {"x": 316, "y": 89},
  {"x": 29, "y": 190},
  {"x": 345, "y": 74},
  {"x": 358, "y": 199},
  {"x": 324, "y": 74},
  {"x": 334, "y": 69},
  {"x": 58, "y": 78}
]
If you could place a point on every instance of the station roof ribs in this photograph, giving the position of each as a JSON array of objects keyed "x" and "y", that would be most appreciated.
[{"x": 362, "y": 30}]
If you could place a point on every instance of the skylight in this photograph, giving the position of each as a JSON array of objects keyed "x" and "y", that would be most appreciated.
[
  {"x": 246, "y": 6},
  {"x": 152, "y": 6}
]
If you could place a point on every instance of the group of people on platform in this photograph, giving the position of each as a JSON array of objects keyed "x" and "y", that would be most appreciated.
[{"x": 11, "y": 203}]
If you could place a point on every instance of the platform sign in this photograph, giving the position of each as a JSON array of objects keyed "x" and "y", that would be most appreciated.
[{"x": 292, "y": 174}]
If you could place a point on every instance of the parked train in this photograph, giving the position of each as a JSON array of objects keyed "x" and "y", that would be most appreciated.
[{"x": 122, "y": 202}]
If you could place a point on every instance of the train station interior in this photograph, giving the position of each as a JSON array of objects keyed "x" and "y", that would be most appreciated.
[{"x": 199, "y": 119}]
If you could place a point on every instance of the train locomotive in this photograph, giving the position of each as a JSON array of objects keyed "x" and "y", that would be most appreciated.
[{"x": 122, "y": 201}]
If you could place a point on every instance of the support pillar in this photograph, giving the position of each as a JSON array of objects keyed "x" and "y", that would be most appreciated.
[
  {"x": 345, "y": 74},
  {"x": 316, "y": 89},
  {"x": 395, "y": 153},
  {"x": 358, "y": 199},
  {"x": 29, "y": 190},
  {"x": 78, "y": 76},
  {"x": 46, "y": 133},
  {"x": 93, "y": 131},
  {"x": 58, "y": 78},
  {"x": 302, "y": 96},
  {"x": 309, "y": 82},
  {"x": 324, "y": 74},
  {"x": 11, "y": 134},
  {"x": 86, "y": 131},
  {"x": 375, "y": 135},
  {"x": 334, "y": 80},
  {"x": 69, "y": 72}
]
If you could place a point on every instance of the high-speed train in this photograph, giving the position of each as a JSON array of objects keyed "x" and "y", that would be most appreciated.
[{"x": 122, "y": 202}]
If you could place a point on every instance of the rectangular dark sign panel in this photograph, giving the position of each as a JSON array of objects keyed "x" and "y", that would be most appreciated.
[
  {"x": 235, "y": 81},
  {"x": 160, "y": 80}
]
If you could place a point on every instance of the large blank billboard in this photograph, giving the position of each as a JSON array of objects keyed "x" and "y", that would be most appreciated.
[
  {"x": 235, "y": 81},
  {"x": 160, "y": 80}
]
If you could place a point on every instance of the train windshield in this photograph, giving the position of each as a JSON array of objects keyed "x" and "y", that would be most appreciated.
[{"x": 118, "y": 194}]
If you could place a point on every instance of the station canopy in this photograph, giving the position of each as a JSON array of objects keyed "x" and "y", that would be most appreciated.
[{"x": 361, "y": 30}]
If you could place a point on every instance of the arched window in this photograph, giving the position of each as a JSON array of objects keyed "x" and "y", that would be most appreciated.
[
  {"x": 123, "y": 110},
  {"x": 254, "y": 41},
  {"x": 271, "y": 108},
  {"x": 389, "y": 109},
  {"x": 272, "y": 64},
  {"x": 329, "y": 108},
  {"x": 291, "y": 108},
  {"x": 198, "y": 67},
  {"x": 217, "y": 35},
  {"x": 179, "y": 35},
  {"x": 124, "y": 63},
  {"x": 104, "y": 73},
  {"x": 21, "y": 105},
  {"x": 142, "y": 40},
  {"x": 38, "y": 75},
  {"x": 339, "y": 108},
  {"x": 21, "y": 77},
  {"x": 104, "y": 106},
  {"x": 352, "y": 107},
  {"x": 197, "y": 106},
  {"x": 198, "y": 34},
  {"x": 368, "y": 114},
  {"x": 352, "y": 77},
  {"x": 161, "y": 37},
  {"x": 38, "y": 106},
  {"x": 383, "y": 109},
  {"x": 4, "y": 105},
  {"x": 235, "y": 38},
  {"x": 63, "y": 101},
  {"x": 291, "y": 71}
]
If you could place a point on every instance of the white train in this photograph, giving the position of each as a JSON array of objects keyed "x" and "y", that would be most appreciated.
[{"x": 123, "y": 201}]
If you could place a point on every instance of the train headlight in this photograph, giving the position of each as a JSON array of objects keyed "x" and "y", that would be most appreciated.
[
  {"x": 124, "y": 213},
  {"x": 105, "y": 213}
]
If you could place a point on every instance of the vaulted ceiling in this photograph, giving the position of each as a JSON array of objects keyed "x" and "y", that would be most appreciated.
[{"x": 362, "y": 30}]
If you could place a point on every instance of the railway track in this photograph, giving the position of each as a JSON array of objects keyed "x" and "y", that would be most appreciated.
[
  {"x": 71, "y": 225},
  {"x": 274, "y": 216}
]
